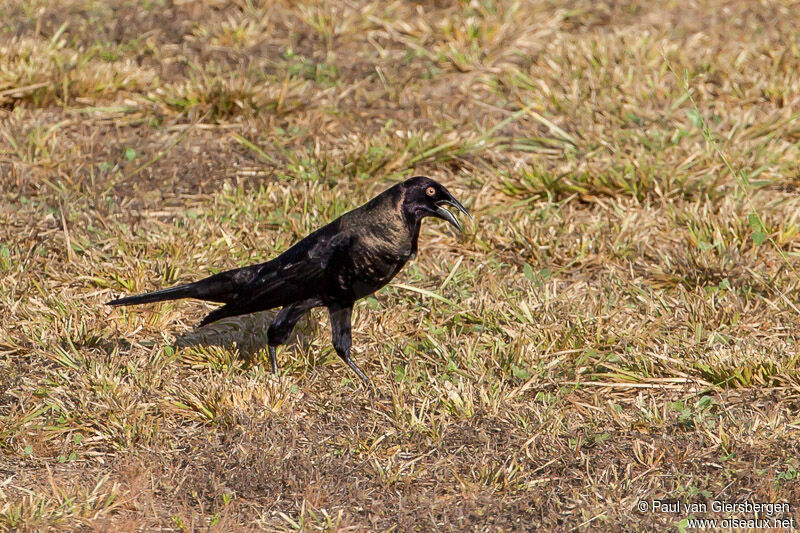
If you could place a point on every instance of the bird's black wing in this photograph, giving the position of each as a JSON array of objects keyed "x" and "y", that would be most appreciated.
[{"x": 300, "y": 273}]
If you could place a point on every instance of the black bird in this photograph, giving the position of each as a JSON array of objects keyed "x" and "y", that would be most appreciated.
[{"x": 350, "y": 258}]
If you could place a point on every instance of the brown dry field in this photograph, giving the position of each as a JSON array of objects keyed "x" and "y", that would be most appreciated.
[{"x": 619, "y": 323}]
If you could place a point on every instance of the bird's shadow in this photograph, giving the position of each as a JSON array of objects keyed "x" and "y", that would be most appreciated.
[{"x": 247, "y": 334}]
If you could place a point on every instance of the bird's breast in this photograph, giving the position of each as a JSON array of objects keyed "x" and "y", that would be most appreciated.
[
  {"x": 380, "y": 264},
  {"x": 370, "y": 268},
  {"x": 382, "y": 243}
]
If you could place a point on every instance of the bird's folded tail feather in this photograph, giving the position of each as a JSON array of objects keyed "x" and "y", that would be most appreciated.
[{"x": 173, "y": 293}]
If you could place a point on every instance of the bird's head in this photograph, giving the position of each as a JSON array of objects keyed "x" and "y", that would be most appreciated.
[{"x": 426, "y": 197}]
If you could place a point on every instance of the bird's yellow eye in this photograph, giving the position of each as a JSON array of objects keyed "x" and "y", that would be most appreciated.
[{"x": 430, "y": 191}]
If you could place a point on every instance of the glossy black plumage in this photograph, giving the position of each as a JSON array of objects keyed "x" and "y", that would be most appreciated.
[{"x": 348, "y": 259}]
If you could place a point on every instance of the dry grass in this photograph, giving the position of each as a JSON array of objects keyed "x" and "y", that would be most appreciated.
[{"x": 620, "y": 323}]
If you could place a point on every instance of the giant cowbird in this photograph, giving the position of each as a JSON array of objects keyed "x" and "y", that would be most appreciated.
[{"x": 350, "y": 258}]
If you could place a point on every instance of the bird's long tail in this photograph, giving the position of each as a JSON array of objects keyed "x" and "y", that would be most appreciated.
[{"x": 173, "y": 293}]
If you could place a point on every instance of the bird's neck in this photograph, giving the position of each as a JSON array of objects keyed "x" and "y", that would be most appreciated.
[
  {"x": 383, "y": 223},
  {"x": 413, "y": 222}
]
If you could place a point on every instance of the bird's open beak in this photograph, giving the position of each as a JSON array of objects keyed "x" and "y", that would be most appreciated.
[{"x": 444, "y": 214}]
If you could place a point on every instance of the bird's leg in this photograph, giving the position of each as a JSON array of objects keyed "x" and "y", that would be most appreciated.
[
  {"x": 340, "y": 330},
  {"x": 282, "y": 326},
  {"x": 273, "y": 359}
]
